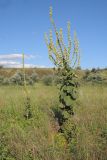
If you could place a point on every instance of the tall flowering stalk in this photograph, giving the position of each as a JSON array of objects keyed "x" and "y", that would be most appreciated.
[
  {"x": 27, "y": 113},
  {"x": 59, "y": 53},
  {"x": 65, "y": 59}
]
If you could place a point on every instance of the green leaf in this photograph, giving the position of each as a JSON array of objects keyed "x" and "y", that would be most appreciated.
[
  {"x": 66, "y": 115},
  {"x": 62, "y": 95},
  {"x": 68, "y": 100},
  {"x": 74, "y": 94}
]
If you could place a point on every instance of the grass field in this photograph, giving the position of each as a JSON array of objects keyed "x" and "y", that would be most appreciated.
[{"x": 37, "y": 138}]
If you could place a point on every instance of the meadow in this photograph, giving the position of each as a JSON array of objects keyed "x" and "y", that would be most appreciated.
[
  {"x": 55, "y": 113},
  {"x": 37, "y": 138}
]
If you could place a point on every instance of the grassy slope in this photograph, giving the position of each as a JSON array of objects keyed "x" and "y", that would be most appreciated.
[
  {"x": 8, "y": 72},
  {"x": 35, "y": 137}
]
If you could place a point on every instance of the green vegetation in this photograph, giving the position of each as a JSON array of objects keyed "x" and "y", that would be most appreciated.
[
  {"x": 48, "y": 80},
  {"x": 65, "y": 61},
  {"x": 18, "y": 79},
  {"x": 28, "y": 112},
  {"x": 37, "y": 75},
  {"x": 40, "y": 115},
  {"x": 38, "y": 138}
]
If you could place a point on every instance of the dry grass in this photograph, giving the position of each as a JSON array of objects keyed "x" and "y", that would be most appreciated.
[{"x": 34, "y": 139}]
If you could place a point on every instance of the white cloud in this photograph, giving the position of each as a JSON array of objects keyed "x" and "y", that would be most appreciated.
[
  {"x": 14, "y": 64},
  {"x": 15, "y": 61},
  {"x": 27, "y": 66},
  {"x": 8, "y": 63},
  {"x": 10, "y": 56},
  {"x": 14, "y": 56}
]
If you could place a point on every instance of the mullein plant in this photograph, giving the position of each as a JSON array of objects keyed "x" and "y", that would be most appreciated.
[
  {"x": 28, "y": 113},
  {"x": 65, "y": 62}
]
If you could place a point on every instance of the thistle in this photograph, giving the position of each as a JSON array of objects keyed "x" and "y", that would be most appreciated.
[{"x": 65, "y": 61}]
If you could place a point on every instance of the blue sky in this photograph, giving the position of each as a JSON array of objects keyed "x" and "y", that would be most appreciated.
[{"x": 24, "y": 22}]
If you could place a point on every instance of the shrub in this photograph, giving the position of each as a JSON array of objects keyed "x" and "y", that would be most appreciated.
[
  {"x": 47, "y": 80},
  {"x": 95, "y": 78},
  {"x": 6, "y": 81},
  {"x": 30, "y": 82},
  {"x": 34, "y": 77},
  {"x": 17, "y": 78},
  {"x": 1, "y": 79}
]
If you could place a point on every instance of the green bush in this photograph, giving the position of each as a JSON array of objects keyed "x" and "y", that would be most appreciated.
[
  {"x": 47, "y": 80},
  {"x": 6, "y": 81},
  {"x": 34, "y": 77},
  {"x": 18, "y": 78},
  {"x": 95, "y": 78},
  {"x": 1, "y": 79}
]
